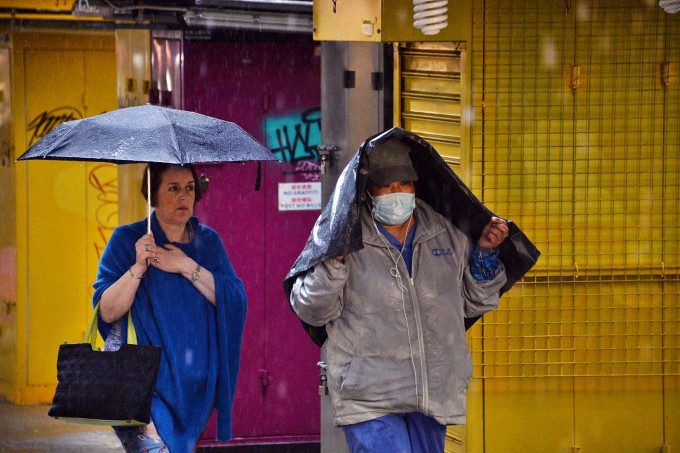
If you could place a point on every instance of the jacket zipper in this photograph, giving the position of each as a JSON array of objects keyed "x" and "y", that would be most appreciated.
[
  {"x": 419, "y": 328},
  {"x": 421, "y": 346}
]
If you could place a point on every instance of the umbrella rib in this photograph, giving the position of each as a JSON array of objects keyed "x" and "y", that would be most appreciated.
[{"x": 182, "y": 157}]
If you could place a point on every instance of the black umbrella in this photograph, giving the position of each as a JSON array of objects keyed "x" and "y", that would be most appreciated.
[
  {"x": 337, "y": 231},
  {"x": 149, "y": 133}
]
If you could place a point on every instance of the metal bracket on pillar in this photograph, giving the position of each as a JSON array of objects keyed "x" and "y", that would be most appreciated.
[
  {"x": 377, "y": 81},
  {"x": 323, "y": 386},
  {"x": 349, "y": 79},
  {"x": 326, "y": 156}
]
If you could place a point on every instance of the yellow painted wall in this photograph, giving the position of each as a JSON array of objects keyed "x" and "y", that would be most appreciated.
[
  {"x": 65, "y": 210},
  {"x": 52, "y": 5}
]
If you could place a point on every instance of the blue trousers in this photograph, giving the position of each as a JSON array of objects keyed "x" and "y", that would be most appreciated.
[{"x": 396, "y": 433}]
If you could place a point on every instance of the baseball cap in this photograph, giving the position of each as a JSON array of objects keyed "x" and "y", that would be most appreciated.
[{"x": 389, "y": 162}]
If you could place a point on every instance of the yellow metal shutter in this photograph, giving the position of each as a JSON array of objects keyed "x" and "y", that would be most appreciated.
[{"x": 429, "y": 95}]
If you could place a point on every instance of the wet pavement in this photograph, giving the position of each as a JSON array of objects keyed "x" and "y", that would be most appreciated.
[{"x": 30, "y": 429}]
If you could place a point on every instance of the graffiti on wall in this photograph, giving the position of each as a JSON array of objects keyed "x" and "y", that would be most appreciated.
[
  {"x": 293, "y": 138},
  {"x": 105, "y": 183},
  {"x": 46, "y": 121}
]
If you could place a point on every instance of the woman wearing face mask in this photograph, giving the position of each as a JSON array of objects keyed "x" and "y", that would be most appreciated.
[{"x": 398, "y": 361}]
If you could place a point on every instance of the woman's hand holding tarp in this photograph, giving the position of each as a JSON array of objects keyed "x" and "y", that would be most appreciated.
[{"x": 494, "y": 233}]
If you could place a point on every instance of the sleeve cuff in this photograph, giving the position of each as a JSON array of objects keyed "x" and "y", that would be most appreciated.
[{"x": 484, "y": 263}]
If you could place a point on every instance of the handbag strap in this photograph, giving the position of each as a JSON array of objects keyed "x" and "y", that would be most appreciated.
[{"x": 91, "y": 333}]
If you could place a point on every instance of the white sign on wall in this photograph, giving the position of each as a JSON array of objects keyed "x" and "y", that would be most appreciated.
[{"x": 299, "y": 196}]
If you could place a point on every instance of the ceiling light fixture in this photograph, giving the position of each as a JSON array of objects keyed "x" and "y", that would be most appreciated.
[
  {"x": 670, "y": 6},
  {"x": 253, "y": 20},
  {"x": 430, "y": 16}
]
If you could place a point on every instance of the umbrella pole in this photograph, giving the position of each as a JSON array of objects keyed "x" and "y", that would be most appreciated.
[{"x": 148, "y": 200}]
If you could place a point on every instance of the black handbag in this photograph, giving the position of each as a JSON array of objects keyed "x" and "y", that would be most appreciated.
[{"x": 105, "y": 388}]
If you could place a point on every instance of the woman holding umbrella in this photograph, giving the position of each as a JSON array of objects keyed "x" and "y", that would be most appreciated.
[{"x": 185, "y": 297}]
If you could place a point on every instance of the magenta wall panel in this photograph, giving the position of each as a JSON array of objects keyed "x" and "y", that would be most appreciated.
[{"x": 274, "y": 87}]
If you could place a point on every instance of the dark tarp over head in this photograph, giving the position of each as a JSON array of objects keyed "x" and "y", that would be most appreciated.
[{"x": 337, "y": 231}]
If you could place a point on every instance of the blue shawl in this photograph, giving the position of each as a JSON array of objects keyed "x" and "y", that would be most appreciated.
[{"x": 201, "y": 343}]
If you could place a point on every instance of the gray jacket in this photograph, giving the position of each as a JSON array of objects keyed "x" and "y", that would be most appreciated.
[{"x": 392, "y": 350}]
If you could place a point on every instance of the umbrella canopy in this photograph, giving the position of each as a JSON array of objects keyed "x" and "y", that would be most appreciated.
[
  {"x": 338, "y": 229},
  {"x": 149, "y": 133}
]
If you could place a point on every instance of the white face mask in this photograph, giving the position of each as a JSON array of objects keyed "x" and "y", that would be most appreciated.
[{"x": 393, "y": 208}]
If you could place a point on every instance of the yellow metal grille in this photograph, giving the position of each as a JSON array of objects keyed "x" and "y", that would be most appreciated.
[{"x": 576, "y": 138}]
